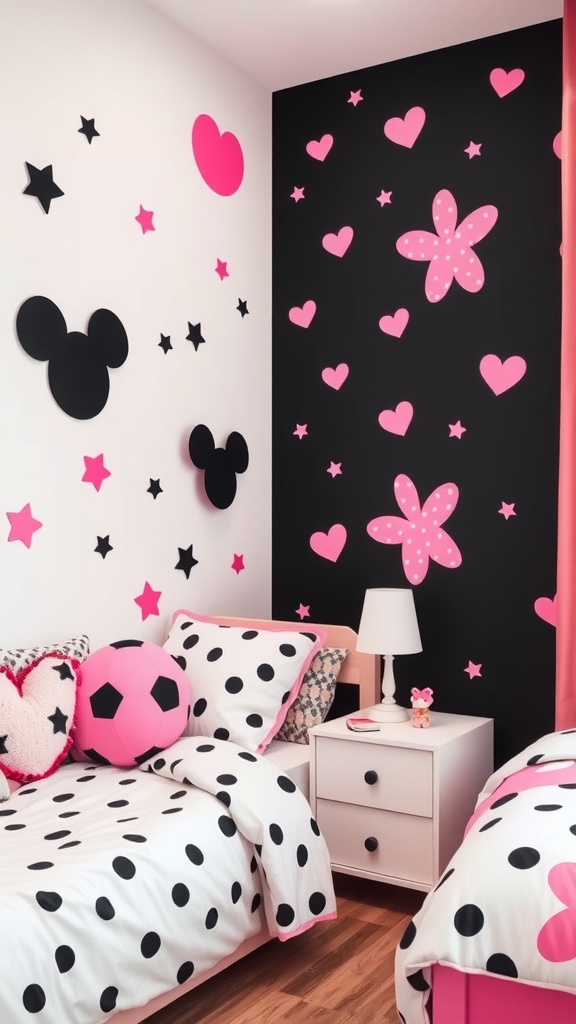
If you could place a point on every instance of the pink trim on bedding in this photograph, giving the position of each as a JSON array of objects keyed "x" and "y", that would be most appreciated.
[
  {"x": 528, "y": 778},
  {"x": 305, "y": 927}
]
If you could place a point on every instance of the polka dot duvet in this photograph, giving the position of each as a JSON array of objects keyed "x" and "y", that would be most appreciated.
[
  {"x": 506, "y": 904},
  {"x": 118, "y": 885}
]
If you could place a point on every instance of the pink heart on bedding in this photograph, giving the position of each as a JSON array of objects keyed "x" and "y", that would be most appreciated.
[
  {"x": 302, "y": 316},
  {"x": 545, "y": 608},
  {"x": 37, "y": 710},
  {"x": 335, "y": 377},
  {"x": 329, "y": 545},
  {"x": 405, "y": 130}
]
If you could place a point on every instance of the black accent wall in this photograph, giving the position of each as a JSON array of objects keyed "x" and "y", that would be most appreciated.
[{"x": 391, "y": 406}]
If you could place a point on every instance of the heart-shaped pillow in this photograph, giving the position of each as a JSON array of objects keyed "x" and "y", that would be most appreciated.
[{"x": 37, "y": 713}]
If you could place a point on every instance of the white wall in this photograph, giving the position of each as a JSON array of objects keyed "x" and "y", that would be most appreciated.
[{"x": 144, "y": 82}]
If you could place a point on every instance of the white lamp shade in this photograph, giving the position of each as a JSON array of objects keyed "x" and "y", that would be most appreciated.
[{"x": 389, "y": 624}]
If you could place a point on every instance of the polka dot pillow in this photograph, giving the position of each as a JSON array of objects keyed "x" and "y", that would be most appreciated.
[
  {"x": 242, "y": 680},
  {"x": 315, "y": 697}
]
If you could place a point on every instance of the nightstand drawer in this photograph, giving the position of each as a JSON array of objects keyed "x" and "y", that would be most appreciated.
[
  {"x": 373, "y": 775},
  {"x": 405, "y": 842}
]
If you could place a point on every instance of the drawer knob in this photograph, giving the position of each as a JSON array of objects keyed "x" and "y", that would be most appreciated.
[
  {"x": 371, "y": 844},
  {"x": 371, "y": 777}
]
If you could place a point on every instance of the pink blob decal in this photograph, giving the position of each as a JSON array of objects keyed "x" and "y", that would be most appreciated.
[
  {"x": 557, "y": 938},
  {"x": 329, "y": 545},
  {"x": 420, "y": 533},
  {"x": 319, "y": 149},
  {"x": 335, "y": 378},
  {"x": 545, "y": 608},
  {"x": 504, "y": 82},
  {"x": 500, "y": 376},
  {"x": 302, "y": 316},
  {"x": 219, "y": 158},
  {"x": 397, "y": 421},
  {"x": 557, "y": 145},
  {"x": 394, "y": 325},
  {"x": 338, "y": 244},
  {"x": 405, "y": 130},
  {"x": 449, "y": 251}
]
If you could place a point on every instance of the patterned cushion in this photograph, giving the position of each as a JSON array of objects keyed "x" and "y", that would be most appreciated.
[
  {"x": 316, "y": 695},
  {"x": 242, "y": 680},
  {"x": 17, "y": 658}
]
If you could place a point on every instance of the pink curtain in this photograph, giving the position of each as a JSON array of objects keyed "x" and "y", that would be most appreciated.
[{"x": 566, "y": 601}]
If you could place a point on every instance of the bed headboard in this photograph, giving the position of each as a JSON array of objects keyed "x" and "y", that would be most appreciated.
[{"x": 361, "y": 670}]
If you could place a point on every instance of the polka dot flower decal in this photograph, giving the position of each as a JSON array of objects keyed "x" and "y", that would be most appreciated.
[
  {"x": 420, "y": 532},
  {"x": 449, "y": 251}
]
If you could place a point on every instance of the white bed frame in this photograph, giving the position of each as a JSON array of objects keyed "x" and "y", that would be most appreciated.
[{"x": 361, "y": 669}]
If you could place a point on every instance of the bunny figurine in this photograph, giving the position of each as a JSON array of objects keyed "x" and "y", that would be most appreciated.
[{"x": 421, "y": 701}]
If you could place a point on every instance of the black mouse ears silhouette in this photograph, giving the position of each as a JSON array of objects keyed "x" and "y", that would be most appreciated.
[
  {"x": 77, "y": 363},
  {"x": 220, "y": 465}
]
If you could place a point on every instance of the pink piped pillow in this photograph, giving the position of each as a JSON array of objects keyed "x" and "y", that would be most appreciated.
[{"x": 37, "y": 712}]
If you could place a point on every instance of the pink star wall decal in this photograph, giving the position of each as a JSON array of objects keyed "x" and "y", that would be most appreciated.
[
  {"x": 449, "y": 251},
  {"x": 303, "y": 610},
  {"x": 507, "y": 510},
  {"x": 23, "y": 525},
  {"x": 456, "y": 430},
  {"x": 148, "y": 600},
  {"x": 238, "y": 564},
  {"x": 355, "y": 97},
  {"x": 144, "y": 219},
  {"x": 297, "y": 194},
  {"x": 473, "y": 150},
  {"x": 221, "y": 269},
  {"x": 420, "y": 533},
  {"x": 384, "y": 198},
  {"x": 473, "y": 670},
  {"x": 301, "y": 430},
  {"x": 96, "y": 471},
  {"x": 335, "y": 469}
]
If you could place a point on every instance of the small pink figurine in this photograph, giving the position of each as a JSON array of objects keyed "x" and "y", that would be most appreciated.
[{"x": 421, "y": 701}]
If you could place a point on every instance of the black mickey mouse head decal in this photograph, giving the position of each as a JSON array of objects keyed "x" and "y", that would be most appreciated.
[
  {"x": 220, "y": 465},
  {"x": 77, "y": 363}
]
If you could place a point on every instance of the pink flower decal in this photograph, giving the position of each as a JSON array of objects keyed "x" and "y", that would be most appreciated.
[
  {"x": 449, "y": 251},
  {"x": 420, "y": 533}
]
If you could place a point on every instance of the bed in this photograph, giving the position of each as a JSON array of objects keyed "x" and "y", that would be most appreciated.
[
  {"x": 123, "y": 889},
  {"x": 496, "y": 939}
]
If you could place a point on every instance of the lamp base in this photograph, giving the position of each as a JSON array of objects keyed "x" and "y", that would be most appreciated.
[{"x": 389, "y": 713}]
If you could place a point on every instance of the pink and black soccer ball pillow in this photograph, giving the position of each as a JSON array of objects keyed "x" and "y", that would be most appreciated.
[{"x": 134, "y": 701}]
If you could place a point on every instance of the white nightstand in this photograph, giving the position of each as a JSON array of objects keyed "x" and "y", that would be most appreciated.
[{"x": 393, "y": 805}]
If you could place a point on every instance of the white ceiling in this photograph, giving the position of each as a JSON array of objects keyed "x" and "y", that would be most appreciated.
[{"x": 282, "y": 43}]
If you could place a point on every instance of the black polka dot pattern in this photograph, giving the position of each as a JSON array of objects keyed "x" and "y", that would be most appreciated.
[
  {"x": 523, "y": 857},
  {"x": 499, "y": 963},
  {"x": 408, "y": 936},
  {"x": 468, "y": 920}
]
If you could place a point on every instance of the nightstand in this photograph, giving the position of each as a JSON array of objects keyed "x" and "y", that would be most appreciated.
[{"x": 393, "y": 804}]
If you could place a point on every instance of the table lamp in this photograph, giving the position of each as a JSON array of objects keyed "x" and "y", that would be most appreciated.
[{"x": 389, "y": 626}]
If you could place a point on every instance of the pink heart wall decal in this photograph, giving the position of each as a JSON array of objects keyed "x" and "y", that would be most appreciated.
[
  {"x": 397, "y": 421},
  {"x": 302, "y": 316},
  {"x": 394, "y": 325},
  {"x": 319, "y": 148},
  {"x": 329, "y": 545},
  {"x": 338, "y": 244},
  {"x": 545, "y": 608},
  {"x": 504, "y": 82},
  {"x": 502, "y": 375},
  {"x": 557, "y": 145},
  {"x": 405, "y": 130},
  {"x": 335, "y": 378},
  {"x": 219, "y": 158}
]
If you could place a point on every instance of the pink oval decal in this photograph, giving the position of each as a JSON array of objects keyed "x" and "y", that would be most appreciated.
[{"x": 219, "y": 158}]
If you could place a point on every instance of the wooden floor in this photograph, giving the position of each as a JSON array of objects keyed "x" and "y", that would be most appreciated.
[{"x": 341, "y": 972}]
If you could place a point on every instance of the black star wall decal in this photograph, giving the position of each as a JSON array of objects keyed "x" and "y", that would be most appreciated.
[
  {"x": 58, "y": 720},
  {"x": 154, "y": 488},
  {"x": 164, "y": 343},
  {"x": 63, "y": 670},
  {"x": 88, "y": 128},
  {"x": 242, "y": 307},
  {"x": 186, "y": 561},
  {"x": 42, "y": 185},
  {"x": 194, "y": 335},
  {"x": 103, "y": 546}
]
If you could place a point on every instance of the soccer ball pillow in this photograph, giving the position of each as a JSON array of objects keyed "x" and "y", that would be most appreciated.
[{"x": 134, "y": 701}]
